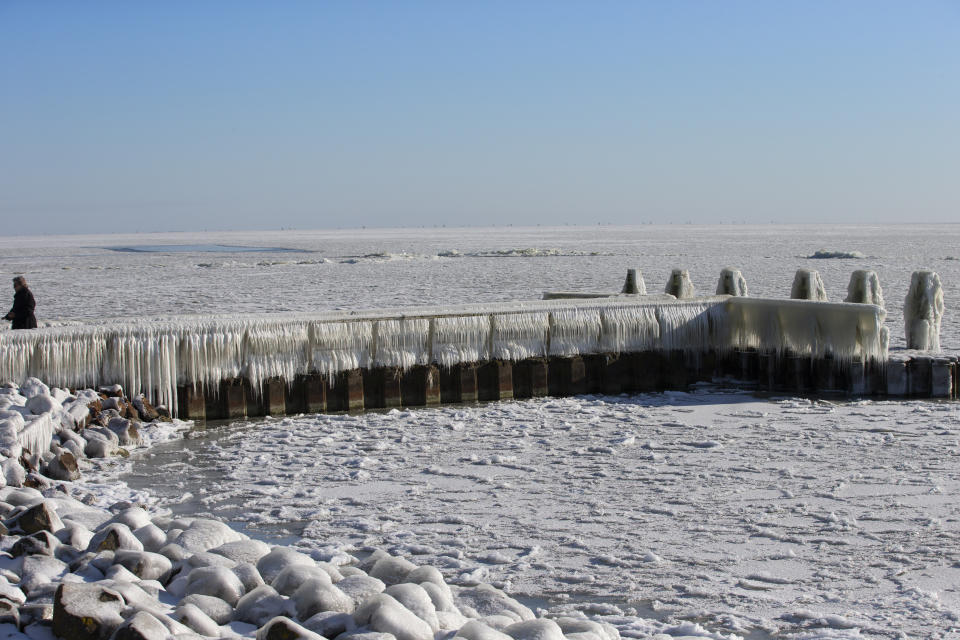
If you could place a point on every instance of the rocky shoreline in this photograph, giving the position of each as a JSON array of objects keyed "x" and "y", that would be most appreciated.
[{"x": 71, "y": 569}]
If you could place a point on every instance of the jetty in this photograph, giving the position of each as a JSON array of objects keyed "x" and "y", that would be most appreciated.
[{"x": 230, "y": 367}]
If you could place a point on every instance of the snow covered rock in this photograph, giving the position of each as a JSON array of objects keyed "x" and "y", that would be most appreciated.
[
  {"x": 40, "y": 404},
  {"x": 86, "y": 611},
  {"x": 316, "y": 595},
  {"x": 141, "y": 626},
  {"x": 290, "y": 579},
  {"x": 392, "y": 570},
  {"x": 261, "y": 605},
  {"x": 279, "y": 559},
  {"x": 282, "y": 628},
  {"x": 204, "y": 534},
  {"x": 330, "y": 624},
  {"x": 582, "y": 627},
  {"x": 127, "y": 433},
  {"x": 213, "y": 607},
  {"x": 151, "y": 537},
  {"x": 361, "y": 587},
  {"x": 416, "y": 599},
  {"x": 243, "y": 550},
  {"x": 486, "y": 600},
  {"x": 192, "y": 616},
  {"x": 40, "y": 517},
  {"x": 477, "y": 630},
  {"x": 215, "y": 581},
  {"x": 40, "y": 573},
  {"x": 539, "y": 629},
  {"x": 63, "y": 466},
  {"x": 144, "y": 564},
  {"x": 114, "y": 536},
  {"x": 249, "y": 576},
  {"x": 383, "y": 613}
]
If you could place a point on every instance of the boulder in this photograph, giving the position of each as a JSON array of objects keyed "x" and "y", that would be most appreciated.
[
  {"x": 40, "y": 543},
  {"x": 261, "y": 605},
  {"x": 476, "y": 630},
  {"x": 282, "y": 628},
  {"x": 63, "y": 466},
  {"x": 141, "y": 626},
  {"x": 392, "y": 570},
  {"x": 539, "y": 629},
  {"x": 86, "y": 611},
  {"x": 114, "y": 536},
  {"x": 218, "y": 610},
  {"x": 249, "y": 576},
  {"x": 127, "y": 433},
  {"x": 279, "y": 559},
  {"x": 215, "y": 581},
  {"x": 144, "y": 564},
  {"x": 315, "y": 596},
  {"x": 151, "y": 537},
  {"x": 192, "y": 616},
  {"x": 383, "y": 613},
  {"x": 290, "y": 579},
  {"x": 134, "y": 517},
  {"x": 40, "y": 573},
  {"x": 486, "y": 600},
  {"x": 204, "y": 534},
  {"x": 330, "y": 624},
  {"x": 416, "y": 599},
  {"x": 361, "y": 587},
  {"x": 40, "y": 517},
  {"x": 243, "y": 550}
]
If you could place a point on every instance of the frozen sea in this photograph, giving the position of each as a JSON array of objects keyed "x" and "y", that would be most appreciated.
[{"x": 708, "y": 513}]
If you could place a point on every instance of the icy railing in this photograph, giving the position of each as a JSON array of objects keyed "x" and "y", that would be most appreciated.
[{"x": 155, "y": 356}]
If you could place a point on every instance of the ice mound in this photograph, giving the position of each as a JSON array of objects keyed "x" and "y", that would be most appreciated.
[{"x": 823, "y": 254}]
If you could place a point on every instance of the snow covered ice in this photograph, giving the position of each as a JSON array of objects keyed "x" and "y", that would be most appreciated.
[{"x": 707, "y": 514}]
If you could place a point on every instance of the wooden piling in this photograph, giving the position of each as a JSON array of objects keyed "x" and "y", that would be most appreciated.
[
  {"x": 495, "y": 380},
  {"x": 191, "y": 403}
]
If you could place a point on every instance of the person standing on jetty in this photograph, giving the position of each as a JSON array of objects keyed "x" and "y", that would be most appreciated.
[{"x": 23, "y": 306}]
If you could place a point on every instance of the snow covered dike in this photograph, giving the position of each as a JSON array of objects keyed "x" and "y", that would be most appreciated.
[{"x": 235, "y": 366}]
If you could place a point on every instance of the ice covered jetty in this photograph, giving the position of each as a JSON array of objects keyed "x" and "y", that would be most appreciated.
[{"x": 232, "y": 366}]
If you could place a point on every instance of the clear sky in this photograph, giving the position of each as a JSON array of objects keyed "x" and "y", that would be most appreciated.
[{"x": 184, "y": 115}]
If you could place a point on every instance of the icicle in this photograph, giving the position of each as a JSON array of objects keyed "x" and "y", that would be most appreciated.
[
  {"x": 402, "y": 343},
  {"x": 37, "y": 434},
  {"x": 731, "y": 283},
  {"x": 923, "y": 311},
  {"x": 807, "y": 285},
  {"x": 459, "y": 339},
  {"x": 864, "y": 288},
  {"x": 517, "y": 336},
  {"x": 629, "y": 328},
  {"x": 846, "y": 331},
  {"x": 574, "y": 332},
  {"x": 340, "y": 346}
]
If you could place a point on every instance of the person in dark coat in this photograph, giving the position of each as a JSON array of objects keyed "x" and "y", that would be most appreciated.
[{"x": 23, "y": 306}]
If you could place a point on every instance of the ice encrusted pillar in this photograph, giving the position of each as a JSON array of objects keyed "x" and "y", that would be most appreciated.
[
  {"x": 923, "y": 311},
  {"x": 634, "y": 283},
  {"x": 731, "y": 283},
  {"x": 679, "y": 284},
  {"x": 807, "y": 285},
  {"x": 864, "y": 288}
]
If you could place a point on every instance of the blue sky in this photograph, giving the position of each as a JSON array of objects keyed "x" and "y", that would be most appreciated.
[{"x": 179, "y": 115}]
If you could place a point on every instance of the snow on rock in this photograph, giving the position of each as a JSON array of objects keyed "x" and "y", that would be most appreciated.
[
  {"x": 316, "y": 596},
  {"x": 392, "y": 570},
  {"x": 215, "y": 581},
  {"x": 540, "y": 629},
  {"x": 272, "y": 564},
  {"x": 261, "y": 605},
  {"x": 86, "y": 611},
  {"x": 385, "y": 614},
  {"x": 290, "y": 579},
  {"x": 204, "y": 534}
]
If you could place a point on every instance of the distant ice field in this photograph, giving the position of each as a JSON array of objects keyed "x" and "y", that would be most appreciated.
[{"x": 81, "y": 278}]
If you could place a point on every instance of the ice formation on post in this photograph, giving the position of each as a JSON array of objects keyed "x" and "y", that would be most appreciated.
[
  {"x": 679, "y": 285},
  {"x": 634, "y": 283},
  {"x": 807, "y": 285},
  {"x": 731, "y": 283},
  {"x": 923, "y": 311},
  {"x": 864, "y": 288}
]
